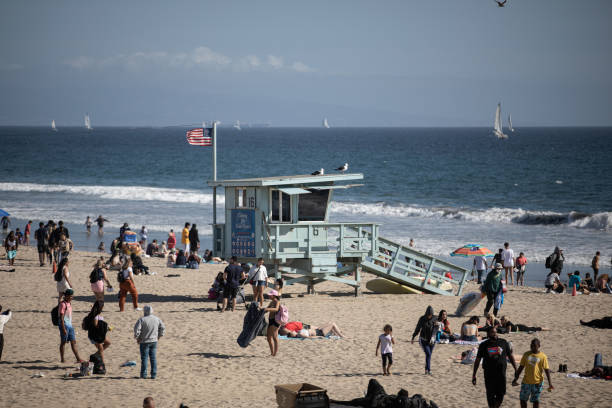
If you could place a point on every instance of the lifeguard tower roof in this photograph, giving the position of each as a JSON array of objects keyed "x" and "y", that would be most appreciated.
[{"x": 287, "y": 180}]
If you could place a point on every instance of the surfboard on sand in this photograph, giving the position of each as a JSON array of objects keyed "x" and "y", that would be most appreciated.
[{"x": 381, "y": 285}]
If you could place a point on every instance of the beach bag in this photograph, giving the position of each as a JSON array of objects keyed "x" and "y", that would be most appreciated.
[
  {"x": 282, "y": 316},
  {"x": 96, "y": 275},
  {"x": 120, "y": 277},
  {"x": 54, "y": 270},
  {"x": 212, "y": 294},
  {"x": 55, "y": 315},
  {"x": 499, "y": 300},
  {"x": 548, "y": 260}
]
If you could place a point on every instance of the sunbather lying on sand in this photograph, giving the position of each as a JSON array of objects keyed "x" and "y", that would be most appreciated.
[
  {"x": 302, "y": 330},
  {"x": 507, "y": 326}
]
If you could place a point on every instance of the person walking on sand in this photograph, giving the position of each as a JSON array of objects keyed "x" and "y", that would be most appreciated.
[
  {"x": 4, "y": 317},
  {"x": 185, "y": 239},
  {"x": 232, "y": 275},
  {"x": 97, "y": 277},
  {"x": 508, "y": 262},
  {"x": 97, "y": 328},
  {"x": 258, "y": 274},
  {"x": 520, "y": 263},
  {"x": 556, "y": 260},
  {"x": 65, "y": 326},
  {"x": 126, "y": 284},
  {"x": 426, "y": 328},
  {"x": 385, "y": 343},
  {"x": 480, "y": 264},
  {"x": 494, "y": 352},
  {"x": 595, "y": 265},
  {"x": 26, "y": 233},
  {"x": 534, "y": 362},
  {"x": 62, "y": 278},
  {"x": 492, "y": 286},
  {"x": 273, "y": 325},
  {"x": 147, "y": 331},
  {"x": 42, "y": 245},
  {"x": 10, "y": 246}
]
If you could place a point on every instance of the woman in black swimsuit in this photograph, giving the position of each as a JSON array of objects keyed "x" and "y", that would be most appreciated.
[{"x": 273, "y": 325}]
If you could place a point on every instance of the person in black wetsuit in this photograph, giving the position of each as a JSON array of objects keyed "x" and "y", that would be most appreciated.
[{"x": 506, "y": 326}]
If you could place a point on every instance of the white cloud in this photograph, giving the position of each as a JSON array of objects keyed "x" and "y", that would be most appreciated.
[
  {"x": 200, "y": 57},
  {"x": 81, "y": 62},
  {"x": 275, "y": 62},
  {"x": 301, "y": 67}
]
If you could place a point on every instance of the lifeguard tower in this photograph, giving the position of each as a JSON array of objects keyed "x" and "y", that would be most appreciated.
[{"x": 285, "y": 221}]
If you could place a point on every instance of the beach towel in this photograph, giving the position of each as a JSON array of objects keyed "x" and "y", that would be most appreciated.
[
  {"x": 308, "y": 338},
  {"x": 465, "y": 342},
  {"x": 254, "y": 319}
]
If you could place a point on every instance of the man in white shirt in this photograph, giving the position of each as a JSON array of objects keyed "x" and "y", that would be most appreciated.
[
  {"x": 508, "y": 261},
  {"x": 480, "y": 264}
]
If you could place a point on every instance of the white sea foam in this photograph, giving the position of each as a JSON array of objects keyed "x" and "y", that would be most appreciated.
[
  {"x": 131, "y": 193},
  {"x": 600, "y": 221}
]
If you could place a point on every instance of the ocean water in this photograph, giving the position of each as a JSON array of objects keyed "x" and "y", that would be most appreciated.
[{"x": 443, "y": 187}]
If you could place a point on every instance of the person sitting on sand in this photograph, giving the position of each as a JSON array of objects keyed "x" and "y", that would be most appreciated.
[
  {"x": 588, "y": 282},
  {"x": 469, "y": 329},
  {"x": 171, "y": 259},
  {"x": 193, "y": 262},
  {"x": 181, "y": 260},
  {"x": 217, "y": 288},
  {"x": 303, "y": 330},
  {"x": 552, "y": 283},
  {"x": 574, "y": 281},
  {"x": 445, "y": 331},
  {"x": 152, "y": 248},
  {"x": 602, "y": 284},
  {"x": 507, "y": 326},
  {"x": 163, "y": 250}
]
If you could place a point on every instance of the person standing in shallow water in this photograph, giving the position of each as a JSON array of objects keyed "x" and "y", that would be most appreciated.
[{"x": 426, "y": 329}]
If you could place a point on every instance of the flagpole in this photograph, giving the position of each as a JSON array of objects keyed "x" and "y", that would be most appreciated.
[{"x": 214, "y": 166}]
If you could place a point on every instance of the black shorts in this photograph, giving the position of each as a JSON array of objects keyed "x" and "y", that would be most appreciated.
[
  {"x": 272, "y": 322},
  {"x": 387, "y": 356},
  {"x": 229, "y": 292},
  {"x": 43, "y": 249}
]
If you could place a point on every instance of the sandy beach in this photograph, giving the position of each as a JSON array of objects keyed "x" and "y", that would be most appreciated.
[{"x": 200, "y": 363}]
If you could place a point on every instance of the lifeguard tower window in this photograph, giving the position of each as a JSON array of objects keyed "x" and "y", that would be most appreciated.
[
  {"x": 241, "y": 198},
  {"x": 281, "y": 206},
  {"x": 312, "y": 207}
]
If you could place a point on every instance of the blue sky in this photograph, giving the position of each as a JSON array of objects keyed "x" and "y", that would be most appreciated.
[{"x": 359, "y": 63}]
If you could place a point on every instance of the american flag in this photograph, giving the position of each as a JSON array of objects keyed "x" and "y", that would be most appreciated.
[{"x": 200, "y": 136}]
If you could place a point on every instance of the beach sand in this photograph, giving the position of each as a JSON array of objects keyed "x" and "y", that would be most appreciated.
[{"x": 201, "y": 365}]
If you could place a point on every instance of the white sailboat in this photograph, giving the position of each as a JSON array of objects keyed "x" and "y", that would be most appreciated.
[
  {"x": 88, "y": 122},
  {"x": 497, "y": 126},
  {"x": 237, "y": 125},
  {"x": 510, "y": 123},
  {"x": 53, "y": 126},
  {"x": 325, "y": 124}
]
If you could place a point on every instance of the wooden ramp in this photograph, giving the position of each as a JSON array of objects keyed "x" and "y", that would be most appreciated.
[{"x": 404, "y": 265}]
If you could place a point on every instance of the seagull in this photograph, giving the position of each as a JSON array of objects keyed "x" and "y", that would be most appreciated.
[
  {"x": 501, "y": 3},
  {"x": 318, "y": 172},
  {"x": 343, "y": 168}
]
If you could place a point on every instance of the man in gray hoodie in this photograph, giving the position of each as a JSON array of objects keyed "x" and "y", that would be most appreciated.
[{"x": 147, "y": 330}]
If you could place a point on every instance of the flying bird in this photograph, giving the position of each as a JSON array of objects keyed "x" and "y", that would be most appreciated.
[
  {"x": 501, "y": 3},
  {"x": 343, "y": 168},
  {"x": 318, "y": 172}
]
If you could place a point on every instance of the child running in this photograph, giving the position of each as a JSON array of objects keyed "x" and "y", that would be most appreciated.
[
  {"x": 534, "y": 362},
  {"x": 385, "y": 343}
]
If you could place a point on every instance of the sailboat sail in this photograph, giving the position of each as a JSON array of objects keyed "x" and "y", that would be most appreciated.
[
  {"x": 88, "y": 122},
  {"x": 510, "y": 123},
  {"x": 497, "y": 125},
  {"x": 53, "y": 125},
  {"x": 237, "y": 125},
  {"x": 325, "y": 124}
]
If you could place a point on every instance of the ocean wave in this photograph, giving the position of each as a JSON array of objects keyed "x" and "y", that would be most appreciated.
[
  {"x": 599, "y": 221},
  {"x": 131, "y": 193}
]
